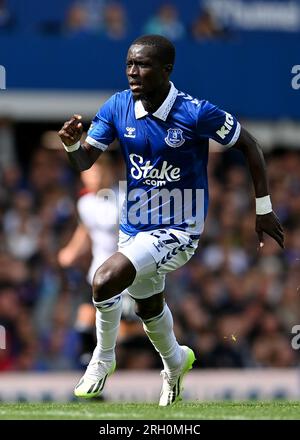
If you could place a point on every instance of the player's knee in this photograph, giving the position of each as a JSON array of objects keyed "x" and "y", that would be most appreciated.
[
  {"x": 102, "y": 284},
  {"x": 114, "y": 276},
  {"x": 150, "y": 307}
]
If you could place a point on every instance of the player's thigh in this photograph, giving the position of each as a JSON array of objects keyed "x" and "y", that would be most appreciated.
[
  {"x": 143, "y": 288},
  {"x": 147, "y": 282},
  {"x": 170, "y": 248},
  {"x": 153, "y": 255}
]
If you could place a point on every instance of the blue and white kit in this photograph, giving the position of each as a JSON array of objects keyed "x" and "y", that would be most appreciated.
[{"x": 166, "y": 155}]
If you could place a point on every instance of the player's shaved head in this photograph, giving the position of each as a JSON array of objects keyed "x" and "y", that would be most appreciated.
[{"x": 164, "y": 48}]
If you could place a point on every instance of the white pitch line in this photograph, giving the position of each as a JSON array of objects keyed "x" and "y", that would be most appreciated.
[{"x": 62, "y": 413}]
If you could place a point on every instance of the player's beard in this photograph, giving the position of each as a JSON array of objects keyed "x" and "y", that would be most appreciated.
[
  {"x": 139, "y": 97},
  {"x": 147, "y": 101},
  {"x": 148, "y": 104}
]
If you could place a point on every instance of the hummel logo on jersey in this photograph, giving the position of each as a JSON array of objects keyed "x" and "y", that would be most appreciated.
[
  {"x": 130, "y": 132},
  {"x": 225, "y": 129},
  {"x": 175, "y": 138}
]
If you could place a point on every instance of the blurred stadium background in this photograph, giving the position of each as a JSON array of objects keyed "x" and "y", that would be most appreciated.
[{"x": 235, "y": 307}]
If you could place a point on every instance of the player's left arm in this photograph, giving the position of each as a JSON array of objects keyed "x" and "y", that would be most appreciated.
[
  {"x": 78, "y": 245},
  {"x": 266, "y": 219}
]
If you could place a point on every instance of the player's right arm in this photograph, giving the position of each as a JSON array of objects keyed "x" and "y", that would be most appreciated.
[{"x": 82, "y": 157}]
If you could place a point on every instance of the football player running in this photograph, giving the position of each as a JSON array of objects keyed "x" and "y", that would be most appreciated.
[{"x": 164, "y": 135}]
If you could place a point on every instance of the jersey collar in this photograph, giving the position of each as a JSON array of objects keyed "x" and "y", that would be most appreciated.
[{"x": 163, "y": 111}]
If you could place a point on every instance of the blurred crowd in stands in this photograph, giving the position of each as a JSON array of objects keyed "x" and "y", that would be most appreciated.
[
  {"x": 198, "y": 20},
  {"x": 233, "y": 304},
  {"x": 111, "y": 19}
]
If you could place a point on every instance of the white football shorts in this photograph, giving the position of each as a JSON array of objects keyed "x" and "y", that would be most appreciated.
[{"x": 154, "y": 254}]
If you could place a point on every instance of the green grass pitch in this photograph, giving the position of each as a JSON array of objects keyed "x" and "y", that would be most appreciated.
[{"x": 254, "y": 410}]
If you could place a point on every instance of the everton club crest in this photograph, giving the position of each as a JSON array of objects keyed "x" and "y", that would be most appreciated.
[{"x": 175, "y": 138}]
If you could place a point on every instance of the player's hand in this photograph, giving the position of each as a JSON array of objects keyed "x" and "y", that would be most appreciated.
[
  {"x": 71, "y": 131},
  {"x": 270, "y": 224},
  {"x": 65, "y": 257}
]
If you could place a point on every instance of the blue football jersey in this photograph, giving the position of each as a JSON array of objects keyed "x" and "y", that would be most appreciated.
[{"x": 166, "y": 156}]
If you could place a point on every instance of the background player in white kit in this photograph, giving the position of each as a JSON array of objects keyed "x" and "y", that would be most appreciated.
[
  {"x": 164, "y": 137},
  {"x": 97, "y": 232},
  {"x": 91, "y": 235}
]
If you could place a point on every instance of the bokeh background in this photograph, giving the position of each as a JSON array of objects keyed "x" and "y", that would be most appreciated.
[{"x": 234, "y": 305}]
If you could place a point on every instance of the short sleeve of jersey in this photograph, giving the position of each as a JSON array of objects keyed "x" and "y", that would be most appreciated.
[
  {"x": 214, "y": 123},
  {"x": 82, "y": 209},
  {"x": 102, "y": 131}
]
